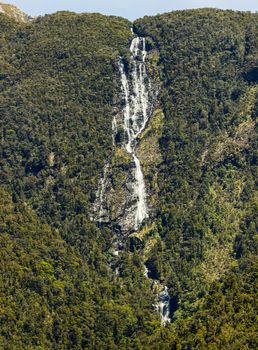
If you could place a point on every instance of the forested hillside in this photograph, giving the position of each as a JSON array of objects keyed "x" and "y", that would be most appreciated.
[
  {"x": 207, "y": 205},
  {"x": 62, "y": 286}
]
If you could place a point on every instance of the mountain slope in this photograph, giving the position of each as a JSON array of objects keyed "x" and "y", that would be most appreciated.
[
  {"x": 51, "y": 298},
  {"x": 208, "y": 141},
  {"x": 59, "y": 83},
  {"x": 57, "y": 94}
]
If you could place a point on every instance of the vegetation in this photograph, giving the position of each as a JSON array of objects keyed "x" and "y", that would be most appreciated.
[
  {"x": 52, "y": 298},
  {"x": 56, "y": 110},
  {"x": 207, "y": 181},
  {"x": 61, "y": 287}
]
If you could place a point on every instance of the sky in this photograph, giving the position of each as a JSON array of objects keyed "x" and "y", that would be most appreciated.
[{"x": 130, "y": 9}]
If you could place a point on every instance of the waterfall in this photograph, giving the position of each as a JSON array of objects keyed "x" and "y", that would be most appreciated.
[
  {"x": 114, "y": 129},
  {"x": 135, "y": 113},
  {"x": 101, "y": 193},
  {"x": 136, "y": 94},
  {"x": 163, "y": 306},
  {"x": 145, "y": 271}
]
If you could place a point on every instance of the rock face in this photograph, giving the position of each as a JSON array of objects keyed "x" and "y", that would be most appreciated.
[
  {"x": 13, "y": 12},
  {"x": 128, "y": 188},
  {"x": 124, "y": 192}
]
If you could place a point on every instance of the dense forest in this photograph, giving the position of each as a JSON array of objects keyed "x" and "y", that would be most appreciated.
[{"x": 61, "y": 286}]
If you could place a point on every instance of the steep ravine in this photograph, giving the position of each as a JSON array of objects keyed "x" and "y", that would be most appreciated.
[
  {"x": 123, "y": 198},
  {"x": 122, "y": 194}
]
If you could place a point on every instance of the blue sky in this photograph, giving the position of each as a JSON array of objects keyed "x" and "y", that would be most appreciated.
[{"x": 130, "y": 9}]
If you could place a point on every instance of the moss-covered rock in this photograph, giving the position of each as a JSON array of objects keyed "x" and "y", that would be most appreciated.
[
  {"x": 121, "y": 158},
  {"x": 150, "y": 155}
]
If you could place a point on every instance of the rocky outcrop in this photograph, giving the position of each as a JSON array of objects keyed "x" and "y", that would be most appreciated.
[
  {"x": 137, "y": 127},
  {"x": 15, "y": 13}
]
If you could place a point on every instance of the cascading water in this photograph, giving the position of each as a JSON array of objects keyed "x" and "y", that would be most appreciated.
[
  {"x": 163, "y": 306},
  {"x": 136, "y": 95},
  {"x": 101, "y": 193},
  {"x": 135, "y": 115}
]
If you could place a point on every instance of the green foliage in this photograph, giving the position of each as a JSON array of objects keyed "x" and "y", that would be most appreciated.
[
  {"x": 208, "y": 147},
  {"x": 57, "y": 110},
  {"x": 61, "y": 288},
  {"x": 52, "y": 299}
]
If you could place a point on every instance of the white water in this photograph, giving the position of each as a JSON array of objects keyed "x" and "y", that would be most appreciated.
[
  {"x": 135, "y": 115},
  {"x": 146, "y": 271},
  {"x": 114, "y": 129},
  {"x": 162, "y": 306},
  {"x": 135, "y": 86}
]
